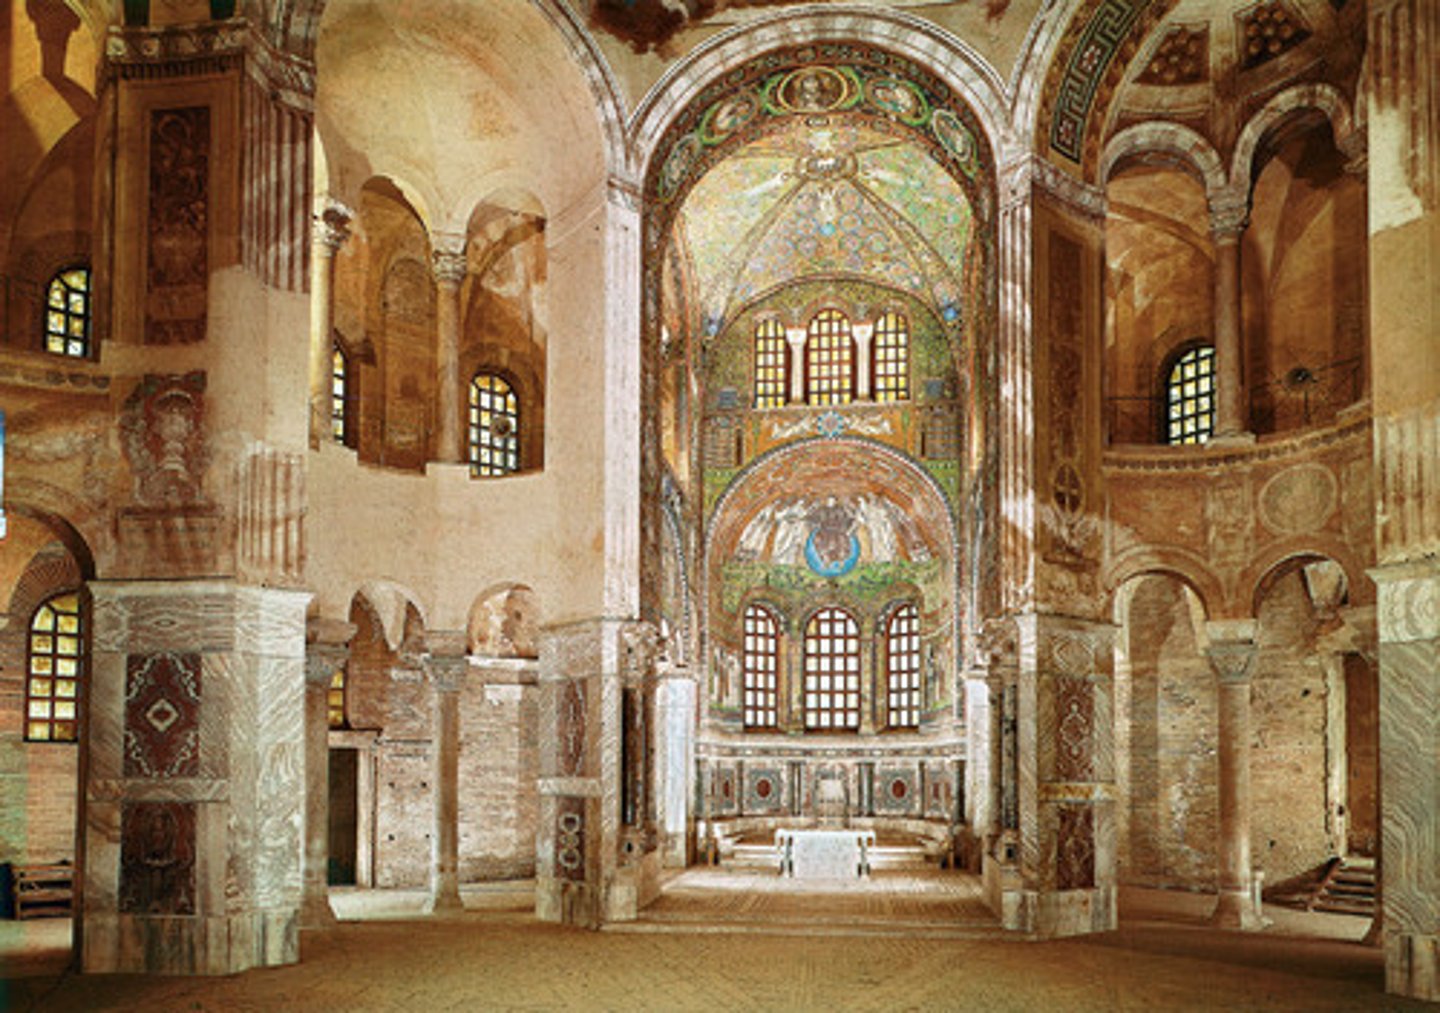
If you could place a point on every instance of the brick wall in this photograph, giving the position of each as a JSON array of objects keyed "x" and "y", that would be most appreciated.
[
  {"x": 1287, "y": 719},
  {"x": 499, "y": 802},
  {"x": 1173, "y": 807}
]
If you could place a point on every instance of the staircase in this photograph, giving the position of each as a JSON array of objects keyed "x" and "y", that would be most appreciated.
[{"x": 1347, "y": 888}]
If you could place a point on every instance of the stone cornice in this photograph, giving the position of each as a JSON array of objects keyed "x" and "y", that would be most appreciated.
[{"x": 1193, "y": 458}]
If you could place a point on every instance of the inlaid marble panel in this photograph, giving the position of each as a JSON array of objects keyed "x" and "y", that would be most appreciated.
[
  {"x": 157, "y": 858},
  {"x": 162, "y": 715}
]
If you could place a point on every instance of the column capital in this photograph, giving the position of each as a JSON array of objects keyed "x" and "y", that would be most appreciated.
[
  {"x": 1229, "y": 213},
  {"x": 444, "y": 659},
  {"x": 1231, "y": 648},
  {"x": 332, "y": 225},
  {"x": 448, "y": 261},
  {"x": 327, "y": 647}
]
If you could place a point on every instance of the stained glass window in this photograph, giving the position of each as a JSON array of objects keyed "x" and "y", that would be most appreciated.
[
  {"x": 892, "y": 358},
  {"x": 494, "y": 427},
  {"x": 1190, "y": 396},
  {"x": 53, "y": 669},
  {"x": 67, "y": 313},
  {"x": 832, "y": 671},
  {"x": 829, "y": 360},
  {"x": 761, "y": 667},
  {"x": 772, "y": 355},
  {"x": 902, "y": 667},
  {"x": 335, "y": 698},
  {"x": 339, "y": 379}
]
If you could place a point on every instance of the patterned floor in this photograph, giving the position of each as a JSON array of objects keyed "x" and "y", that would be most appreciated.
[{"x": 1163, "y": 958}]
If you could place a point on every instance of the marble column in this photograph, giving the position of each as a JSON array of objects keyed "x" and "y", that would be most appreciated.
[
  {"x": 795, "y": 337},
  {"x": 864, "y": 333},
  {"x": 332, "y": 228},
  {"x": 445, "y": 664},
  {"x": 448, "y": 262},
  {"x": 1229, "y": 214},
  {"x": 326, "y": 650},
  {"x": 1231, "y": 652}
]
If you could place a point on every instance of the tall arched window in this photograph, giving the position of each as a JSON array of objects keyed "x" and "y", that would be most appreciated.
[
  {"x": 829, "y": 360},
  {"x": 760, "y": 667},
  {"x": 902, "y": 667},
  {"x": 67, "y": 313},
  {"x": 494, "y": 426},
  {"x": 772, "y": 361},
  {"x": 892, "y": 358},
  {"x": 1190, "y": 396},
  {"x": 339, "y": 396},
  {"x": 53, "y": 670},
  {"x": 832, "y": 671}
]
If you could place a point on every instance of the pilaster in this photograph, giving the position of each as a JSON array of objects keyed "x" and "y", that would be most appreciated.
[{"x": 1409, "y": 627}]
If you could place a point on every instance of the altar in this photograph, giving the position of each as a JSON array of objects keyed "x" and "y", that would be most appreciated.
[{"x": 824, "y": 854}]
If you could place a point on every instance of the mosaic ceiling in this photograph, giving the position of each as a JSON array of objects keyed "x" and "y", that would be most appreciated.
[{"x": 825, "y": 197}]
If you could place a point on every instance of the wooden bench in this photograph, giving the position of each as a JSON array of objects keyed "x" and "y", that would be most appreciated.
[{"x": 43, "y": 891}]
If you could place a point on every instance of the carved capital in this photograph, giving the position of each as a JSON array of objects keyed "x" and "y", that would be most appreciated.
[
  {"x": 1015, "y": 180},
  {"x": 1231, "y": 649},
  {"x": 1229, "y": 213},
  {"x": 444, "y": 659},
  {"x": 639, "y": 650},
  {"x": 332, "y": 226},
  {"x": 327, "y": 648},
  {"x": 448, "y": 260},
  {"x": 998, "y": 647}
]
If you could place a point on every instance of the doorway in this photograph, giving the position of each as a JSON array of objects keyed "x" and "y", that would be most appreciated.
[{"x": 1362, "y": 756}]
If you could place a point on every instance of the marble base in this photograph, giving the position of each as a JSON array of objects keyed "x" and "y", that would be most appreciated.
[
  {"x": 1412, "y": 966},
  {"x": 1237, "y": 909}
]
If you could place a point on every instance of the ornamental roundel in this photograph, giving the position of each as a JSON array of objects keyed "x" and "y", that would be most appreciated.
[
  {"x": 763, "y": 788},
  {"x": 899, "y": 789}
]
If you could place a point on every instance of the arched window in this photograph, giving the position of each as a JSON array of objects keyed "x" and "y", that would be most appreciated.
[
  {"x": 67, "y": 313},
  {"x": 829, "y": 360},
  {"x": 339, "y": 396},
  {"x": 494, "y": 426},
  {"x": 892, "y": 358},
  {"x": 902, "y": 667},
  {"x": 53, "y": 670},
  {"x": 1190, "y": 396},
  {"x": 772, "y": 361},
  {"x": 760, "y": 667},
  {"x": 335, "y": 699},
  {"x": 832, "y": 671}
]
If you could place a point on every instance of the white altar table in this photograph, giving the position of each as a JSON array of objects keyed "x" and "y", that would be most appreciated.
[{"x": 824, "y": 854}]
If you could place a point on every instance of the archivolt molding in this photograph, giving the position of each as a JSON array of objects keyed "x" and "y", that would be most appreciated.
[
  {"x": 950, "y": 59},
  {"x": 1176, "y": 139},
  {"x": 1315, "y": 95}
]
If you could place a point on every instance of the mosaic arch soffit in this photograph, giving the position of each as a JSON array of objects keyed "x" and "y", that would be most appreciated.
[
  {"x": 848, "y": 467},
  {"x": 823, "y": 160}
]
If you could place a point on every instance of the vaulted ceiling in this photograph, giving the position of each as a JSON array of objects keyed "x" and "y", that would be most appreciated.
[{"x": 840, "y": 199}]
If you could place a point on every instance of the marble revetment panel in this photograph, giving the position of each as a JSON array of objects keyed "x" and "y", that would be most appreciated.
[
  {"x": 162, "y": 715},
  {"x": 157, "y": 858}
]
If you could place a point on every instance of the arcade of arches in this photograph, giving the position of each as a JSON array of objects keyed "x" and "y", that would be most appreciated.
[{"x": 552, "y": 441}]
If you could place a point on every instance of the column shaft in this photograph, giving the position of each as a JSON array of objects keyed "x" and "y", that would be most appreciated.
[
  {"x": 449, "y": 267},
  {"x": 332, "y": 227},
  {"x": 1232, "y": 658}
]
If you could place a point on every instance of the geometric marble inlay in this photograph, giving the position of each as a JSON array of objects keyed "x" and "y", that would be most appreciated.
[
  {"x": 157, "y": 858},
  {"x": 1075, "y": 713},
  {"x": 162, "y": 715}
]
